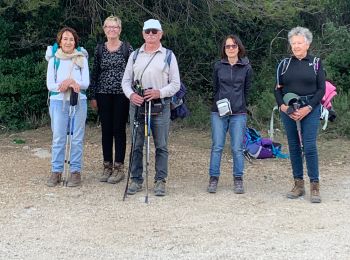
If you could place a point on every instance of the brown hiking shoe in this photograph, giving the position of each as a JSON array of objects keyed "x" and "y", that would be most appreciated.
[
  {"x": 54, "y": 179},
  {"x": 238, "y": 187},
  {"x": 107, "y": 171},
  {"x": 74, "y": 180},
  {"x": 298, "y": 189},
  {"x": 213, "y": 184},
  {"x": 117, "y": 174},
  {"x": 315, "y": 192}
]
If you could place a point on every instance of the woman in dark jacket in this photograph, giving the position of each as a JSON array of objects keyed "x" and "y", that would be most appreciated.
[
  {"x": 107, "y": 95},
  {"x": 301, "y": 75},
  {"x": 232, "y": 80}
]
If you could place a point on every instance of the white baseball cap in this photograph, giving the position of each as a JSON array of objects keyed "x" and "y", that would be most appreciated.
[{"x": 152, "y": 24}]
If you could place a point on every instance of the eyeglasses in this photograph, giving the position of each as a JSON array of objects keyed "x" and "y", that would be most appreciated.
[
  {"x": 148, "y": 31},
  {"x": 233, "y": 46},
  {"x": 111, "y": 27}
]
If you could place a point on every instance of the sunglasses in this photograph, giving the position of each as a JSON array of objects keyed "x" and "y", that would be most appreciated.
[
  {"x": 148, "y": 31},
  {"x": 233, "y": 46}
]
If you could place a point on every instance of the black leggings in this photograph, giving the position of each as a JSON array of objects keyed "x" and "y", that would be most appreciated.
[{"x": 113, "y": 110}]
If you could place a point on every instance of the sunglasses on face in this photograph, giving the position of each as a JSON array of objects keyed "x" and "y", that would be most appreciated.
[
  {"x": 148, "y": 31},
  {"x": 233, "y": 46}
]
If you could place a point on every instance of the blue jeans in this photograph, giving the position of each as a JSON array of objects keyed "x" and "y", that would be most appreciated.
[
  {"x": 235, "y": 125},
  {"x": 160, "y": 131},
  {"x": 59, "y": 114},
  {"x": 309, "y": 130}
]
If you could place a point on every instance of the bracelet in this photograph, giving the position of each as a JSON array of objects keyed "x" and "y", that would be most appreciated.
[{"x": 310, "y": 107}]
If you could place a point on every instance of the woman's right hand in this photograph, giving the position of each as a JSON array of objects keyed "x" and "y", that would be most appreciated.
[{"x": 93, "y": 104}]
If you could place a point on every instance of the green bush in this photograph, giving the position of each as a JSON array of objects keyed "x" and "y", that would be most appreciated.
[{"x": 23, "y": 91}]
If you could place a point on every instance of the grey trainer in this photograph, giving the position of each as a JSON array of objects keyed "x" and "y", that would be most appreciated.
[
  {"x": 159, "y": 188},
  {"x": 54, "y": 179},
  {"x": 134, "y": 187},
  {"x": 117, "y": 174}
]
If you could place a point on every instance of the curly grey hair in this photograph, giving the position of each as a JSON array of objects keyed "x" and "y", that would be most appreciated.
[{"x": 300, "y": 31}]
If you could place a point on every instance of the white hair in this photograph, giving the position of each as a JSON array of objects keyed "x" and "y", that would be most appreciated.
[{"x": 300, "y": 31}]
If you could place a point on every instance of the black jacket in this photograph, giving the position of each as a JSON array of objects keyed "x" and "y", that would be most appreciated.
[
  {"x": 232, "y": 82},
  {"x": 300, "y": 78}
]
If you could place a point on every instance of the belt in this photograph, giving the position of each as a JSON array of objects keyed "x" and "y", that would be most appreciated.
[{"x": 54, "y": 93}]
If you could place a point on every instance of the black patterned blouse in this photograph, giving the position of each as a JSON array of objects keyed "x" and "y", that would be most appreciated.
[{"x": 107, "y": 72}]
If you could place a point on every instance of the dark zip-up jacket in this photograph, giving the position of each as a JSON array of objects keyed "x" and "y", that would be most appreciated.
[
  {"x": 232, "y": 82},
  {"x": 300, "y": 78}
]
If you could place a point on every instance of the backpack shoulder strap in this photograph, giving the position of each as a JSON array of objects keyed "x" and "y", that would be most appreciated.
[
  {"x": 167, "y": 59},
  {"x": 56, "y": 61},
  {"x": 284, "y": 64},
  {"x": 316, "y": 62},
  {"x": 125, "y": 50},
  {"x": 134, "y": 57},
  {"x": 99, "y": 51}
]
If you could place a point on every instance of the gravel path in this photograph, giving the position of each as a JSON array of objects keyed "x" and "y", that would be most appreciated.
[{"x": 92, "y": 222}]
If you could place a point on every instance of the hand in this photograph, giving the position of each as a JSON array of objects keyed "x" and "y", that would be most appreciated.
[
  {"x": 304, "y": 111},
  {"x": 300, "y": 113},
  {"x": 76, "y": 87},
  {"x": 283, "y": 108},
  {"x": 151, "y": 94},
  {"x": 93, "y": 104},
  {"x": 64, "y": 85},
  {"x": 136, "y": 99}
]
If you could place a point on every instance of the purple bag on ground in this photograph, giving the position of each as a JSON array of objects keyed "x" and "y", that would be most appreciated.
[{"x": 259, "y": 147}]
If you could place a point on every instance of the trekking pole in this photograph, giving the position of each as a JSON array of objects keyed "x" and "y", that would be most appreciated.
[
  {"x": 147, "y": 135},
  {"x": 70, "y": 128},
  {"x": 300, "y": 137},
  {"x": 136, "y": 124}
]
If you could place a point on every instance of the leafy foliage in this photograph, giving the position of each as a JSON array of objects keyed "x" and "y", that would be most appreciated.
[{"x": 193, "y": 30}]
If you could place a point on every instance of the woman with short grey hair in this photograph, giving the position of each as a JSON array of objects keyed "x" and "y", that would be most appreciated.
[{"x": 302, "y": 77}]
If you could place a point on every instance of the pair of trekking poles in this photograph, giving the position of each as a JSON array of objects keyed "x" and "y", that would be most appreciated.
[
  {"x": 147, "y": 132},
  {"x": 73, "y": 101}
]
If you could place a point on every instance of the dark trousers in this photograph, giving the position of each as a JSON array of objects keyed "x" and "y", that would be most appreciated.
[{"x": 113, "y": 110}]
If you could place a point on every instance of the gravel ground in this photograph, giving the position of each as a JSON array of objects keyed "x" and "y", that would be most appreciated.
[{"x": 92, "y": 221}]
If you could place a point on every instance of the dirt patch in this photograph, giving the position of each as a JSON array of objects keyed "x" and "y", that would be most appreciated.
[{"x": 92, "y": 222}]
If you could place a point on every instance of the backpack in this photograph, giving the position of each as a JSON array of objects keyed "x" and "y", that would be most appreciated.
[
  {"x": 177, "y": 104},
  {"x": 258, "y": 147}
]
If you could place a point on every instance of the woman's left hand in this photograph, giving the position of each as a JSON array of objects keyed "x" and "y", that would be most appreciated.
[
  {"x": 301, "y": 113},
  {"x": 76, "y": 87}
]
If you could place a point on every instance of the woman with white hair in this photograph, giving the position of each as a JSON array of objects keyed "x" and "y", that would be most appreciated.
[{"x": 301, "y": 76}]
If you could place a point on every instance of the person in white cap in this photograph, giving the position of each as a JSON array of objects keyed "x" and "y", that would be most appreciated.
[{"x": 158, "y": 75}]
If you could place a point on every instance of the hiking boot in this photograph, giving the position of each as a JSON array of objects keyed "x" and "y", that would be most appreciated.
[
  {"x": 54, "y": 179},
  {"x": 298, "y": 189},
  {"x": 315, "y": 192},
  {"x": 238, "y": 187},
  {"x": 74, "y": 180},
  {"x": 107, "y": 171},
  {"x": 134, "y": 187},
  {"x": 117, "y": 174},
  {"x": 159, "y": 188},
  {"x": 213, "y": 184}
]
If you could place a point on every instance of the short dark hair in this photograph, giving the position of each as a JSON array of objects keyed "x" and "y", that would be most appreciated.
[
  {"x": 72, "y": 31},
  {"x": 235, "y": 38}
]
